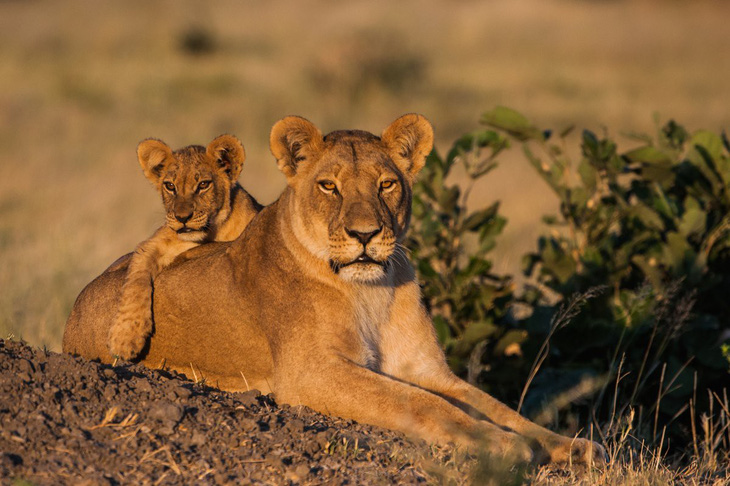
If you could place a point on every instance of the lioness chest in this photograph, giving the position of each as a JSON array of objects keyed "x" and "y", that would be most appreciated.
[{"x": 372, "y": 305}]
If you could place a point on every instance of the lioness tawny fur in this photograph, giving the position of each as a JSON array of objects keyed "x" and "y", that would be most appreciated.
[{"x": 317, "y": 302}]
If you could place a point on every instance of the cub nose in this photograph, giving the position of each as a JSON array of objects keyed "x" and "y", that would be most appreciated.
[
  {"x": 363, "y": 236},
  {"x": 183, "y": 218}
]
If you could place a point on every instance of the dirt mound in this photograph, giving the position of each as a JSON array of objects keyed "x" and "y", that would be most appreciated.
[{"x": 68, "y": 420}]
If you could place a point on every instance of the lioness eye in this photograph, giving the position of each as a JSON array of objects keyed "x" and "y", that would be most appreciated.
[
  {"x": 327, "y": 186},
  {"x": 170, "y": 186},
  {"x": 203, "y": 185},
  {"x": 387, "y": 185}
]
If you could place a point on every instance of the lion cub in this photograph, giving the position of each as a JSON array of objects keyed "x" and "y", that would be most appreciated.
[{"x": 203, "y": 202}]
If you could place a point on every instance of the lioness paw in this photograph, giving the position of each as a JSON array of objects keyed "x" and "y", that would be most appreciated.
[
  {"x": 577, "y": 451},
  {"x": 509, "y": 446},
  {"x": 586, "y": 451}
]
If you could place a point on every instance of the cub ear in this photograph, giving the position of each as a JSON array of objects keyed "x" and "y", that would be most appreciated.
[
  {"x": 294, "y": 141},
  {"x": 409, "y": 140},
  {"x": 152, "y": 154},
  {"x": 228, "y": 151}
]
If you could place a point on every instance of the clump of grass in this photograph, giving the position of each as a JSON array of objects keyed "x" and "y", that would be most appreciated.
[{"x": 640, "y": 452}]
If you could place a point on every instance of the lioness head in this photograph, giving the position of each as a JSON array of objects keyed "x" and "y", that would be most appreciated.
[
  {"x": 195, "y": 182},
  {"x": 352, "y": 190}
]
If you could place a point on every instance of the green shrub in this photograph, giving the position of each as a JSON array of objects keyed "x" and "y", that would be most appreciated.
[
  {"x": 450, "y": 243},
  {"x": 651, "y": 225},
  {"x": 628, "y": 301}
]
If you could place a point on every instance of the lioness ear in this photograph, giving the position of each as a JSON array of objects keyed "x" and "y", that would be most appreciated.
[
  {"x": 410, "y": 140},
  {"x": 151, "y": 154},
  {"x": 228, "y": 151},
  {"x": 294, "y": 141}
]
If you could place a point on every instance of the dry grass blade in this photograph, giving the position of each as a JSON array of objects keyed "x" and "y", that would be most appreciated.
[
  {"x": 564, "y": 315},
  {"x": 248, "y": 388},
  {"x": 150, "y": 456},
  {"x": 108, "y": 417}
]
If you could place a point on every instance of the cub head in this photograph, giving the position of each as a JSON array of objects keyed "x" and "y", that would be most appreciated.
[
  {"x": 195, "y": 182},
  {"x": 350, "y": 191}
]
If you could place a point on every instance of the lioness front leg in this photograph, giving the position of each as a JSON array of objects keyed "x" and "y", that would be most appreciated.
[
  {"x": 133, "y": 322},
  {"x": 412, "y": 353},
  {"x": 343, "y": 388},
  {"x": 547, "y": 445}
]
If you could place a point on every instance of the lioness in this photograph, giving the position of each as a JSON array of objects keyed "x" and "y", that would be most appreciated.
[
  {"x": 317, "y": 302},
  {"x": 203, "y": 203}
]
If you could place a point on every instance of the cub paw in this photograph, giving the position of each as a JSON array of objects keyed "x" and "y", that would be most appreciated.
[{"x": 127, "y": 338}]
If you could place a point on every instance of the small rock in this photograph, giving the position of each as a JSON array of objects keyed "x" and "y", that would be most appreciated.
[
  {"x": 248, "y": 425},
  {"x": 182, "y": 392},
  {"x": 166, "y": 430},
  {"x": 294, "y": 425},
  {"x": 298, "y": 473},
  {"x": 322, "y": 438},
  {"x": 166, "y": 411},
  {"x": 25, "y": 366},
  {"x": 143, "y": 386},
  {"x": 198, "y": 439}
]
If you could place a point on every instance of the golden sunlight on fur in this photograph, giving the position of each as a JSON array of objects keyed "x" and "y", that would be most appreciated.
[
  {"x": 203, "y": 203},
  {"x": 316, "y": 302}
]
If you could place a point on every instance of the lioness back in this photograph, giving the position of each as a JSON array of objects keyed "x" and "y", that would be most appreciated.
[{"x": 203, "y": 203}]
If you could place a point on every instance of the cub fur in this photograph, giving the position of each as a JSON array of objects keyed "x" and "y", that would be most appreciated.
[
  {"x": 316, "y": 302},
  {"x": 203, "y": 202}
]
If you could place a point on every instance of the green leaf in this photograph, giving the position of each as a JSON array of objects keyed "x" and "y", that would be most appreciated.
[
  {"x": 677, "y": 251},
  {"x": 649, "y": 155},
  {"x": 425, "y": 269},
  {"x": 648, "y": 216},
  {"x": 694, "y": 218},
  {"x": 443, "y": 331},
  {"x": 513, "y": 123},
  {"x": 477, "y": 219},
  {"x": 656, "y": 164},
  {"x": 590, "y": 142},
  {"x": 711, "y": 142},
  {"x": 448, "y": 199},
  {"x": 557, "y": 262},
  {"x": 476, "y": 266},
  {"x": 489, "y": 232},
  {"x": 705, "y": 154},
  {"x": 478, "y": 331},
  {"x": 675, "y": 134},
  {"x": 469, "y": 148},
  {"x": 567, "y": 131},
  {"x": 588, "y": 174},
  {"x": 648, "y": 266},
  {"x": 509, "y": 340}
]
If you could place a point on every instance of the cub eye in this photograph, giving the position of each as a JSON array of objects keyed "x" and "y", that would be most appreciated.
[
  {"x": 387, "y": 186},
  {"x": 169, "y": 186},
  {"x": 327, "y": 186},
  {"x": 203, "y": 185}
]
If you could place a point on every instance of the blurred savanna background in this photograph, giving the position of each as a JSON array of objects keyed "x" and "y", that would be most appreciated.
[{"x": 82, "y": 82}]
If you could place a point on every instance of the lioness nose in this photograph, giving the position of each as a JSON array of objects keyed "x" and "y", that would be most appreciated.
[
  {"x": 183, "y": 218},
  {"x": 363, "y": 236}
]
